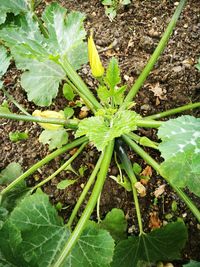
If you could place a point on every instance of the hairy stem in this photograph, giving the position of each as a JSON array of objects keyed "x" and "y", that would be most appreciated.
[
  {"x": 10, "y": 97},
  {"x": 82, "y": 88},
  {"x": 85, "y": 190},
  {"x": 173, "y": 111},
  {"x": 42, "y": 162},
  {"x": 157, "y": 167},
  {"x": 72, "y": 124},
  {"x": 90, "y": 205},
  {"x": 63, "y": 167},
  {"x": 153, "y": 59}
]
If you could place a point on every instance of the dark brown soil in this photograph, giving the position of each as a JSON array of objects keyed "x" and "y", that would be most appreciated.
[{"x": 134, "y": 34}]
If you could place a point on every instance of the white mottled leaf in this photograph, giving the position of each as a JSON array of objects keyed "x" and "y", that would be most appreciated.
[
  {"x": 180, "y": 148},
  {"x": 4, "y": 60},
  {"x": 12, "y": 6},
  {"x": 41, "y": 82}
]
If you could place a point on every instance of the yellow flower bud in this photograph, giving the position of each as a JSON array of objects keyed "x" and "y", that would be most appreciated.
[
  {"x": 49, "y": 114},
  {"x": 95, "y": 62}
]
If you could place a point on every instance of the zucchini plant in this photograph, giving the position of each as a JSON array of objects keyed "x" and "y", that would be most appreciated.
[{"x": 49, "y": 50}]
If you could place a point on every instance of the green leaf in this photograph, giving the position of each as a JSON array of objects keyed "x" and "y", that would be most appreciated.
[
  {"x": 41, "y": 82},
  {"x": 100, "y": 132},
  {"x": 38, "y": 235},
  {"x": 54, "y": 138},
  {"x": 192, "y": 264},
  {"x": 113, "y": 74},
  {"x": 41, "y": 230},
  {"x": 161, "y": 244},
  {"x": 65, "y": 183},
  {"x": 4, "y": 60},
  {"x": 66, "y": 34},
  {"x": 115, "y": 223},
  {"x": 4, "y": 106},
  {"x": 17, "y": 136},
  {"x": 198, "y": 65},
  {"x": 103, "y": 94},
  {"x": 111, "y": 13},
  {"x": 10, "y": 173},
  {"x": 137, "y": 168},
  {"x": 12, "y": 6},
  {"x": 180, "y": 148},
  {"x": 68, "y": 112},
  {"x": 107, "y": 2},
  {"x": 68, "y": 92},
  {"x": 42, "y": 56},
  {"x": 94, "y": 248}
]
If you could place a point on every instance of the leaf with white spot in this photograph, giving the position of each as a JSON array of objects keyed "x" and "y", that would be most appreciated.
[
  {"x": 41, "y": 82},
  {"x": 180, "y": 148},
  {"x": 4, "y": 60},
  {"x": 34, "y": 236},
  {"x": 42, "y": 56},
  {"x": 12, "y": 6}
]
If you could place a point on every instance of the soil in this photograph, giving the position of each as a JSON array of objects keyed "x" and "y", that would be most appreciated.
[{"x": 174, "y": 81}]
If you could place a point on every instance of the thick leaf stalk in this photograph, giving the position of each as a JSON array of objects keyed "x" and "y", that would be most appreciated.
[
  {"x": 90, "y": 205},
  {"x": 67, "y": 123},
  {"x": 173, "y": 111},
  {"x": 161, "y": 46}
]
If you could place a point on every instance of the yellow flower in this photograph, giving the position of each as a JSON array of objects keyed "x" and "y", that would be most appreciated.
[
  {"x": 95, "y": 62},
  {"x": 49, "y": 114}
]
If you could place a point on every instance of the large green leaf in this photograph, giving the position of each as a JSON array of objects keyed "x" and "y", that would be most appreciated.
[
  {"x": 42, "y": 56},
  {"x": 161, "y": 244},
  {"x": 34, "y": 235},
  {"x": 41, "y": 82},
  {"x": 180, "y": 148},
  {"x": 12, "y": 6},
  {"x": 66, "y": 34},
  {"x": 100, "y": 131},
  {"x": 4, "y": 60},
  {"x": 95, "y": 248}
]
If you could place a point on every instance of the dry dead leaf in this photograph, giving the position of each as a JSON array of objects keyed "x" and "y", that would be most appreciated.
[
  {"x": 157, "y": 90},
  {"x": 154, "y": 221},
  {"x": 147, "y": 171},
  {"x": 159, "y": 191},
  {"x": 140, "y": 189}
]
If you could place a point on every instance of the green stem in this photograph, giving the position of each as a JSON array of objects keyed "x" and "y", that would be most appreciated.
[
  {"x": 90, "y": 205},
  {"x": 148, "y": 123},
  {"x": 153, "y": 59},
  {"x": 67, "y": 123},
  {"x": 85, "y": 190},
  {"x": 42, "y": 28},
  {"x": 42, "y": 162},
  {"x": 173, "y": 111},
  {"x": 157, "y": 167},
  {"x": 10, "y": 97},
  {"x": 63, "y": 167},
  {"x": 83, "y": 90}
]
